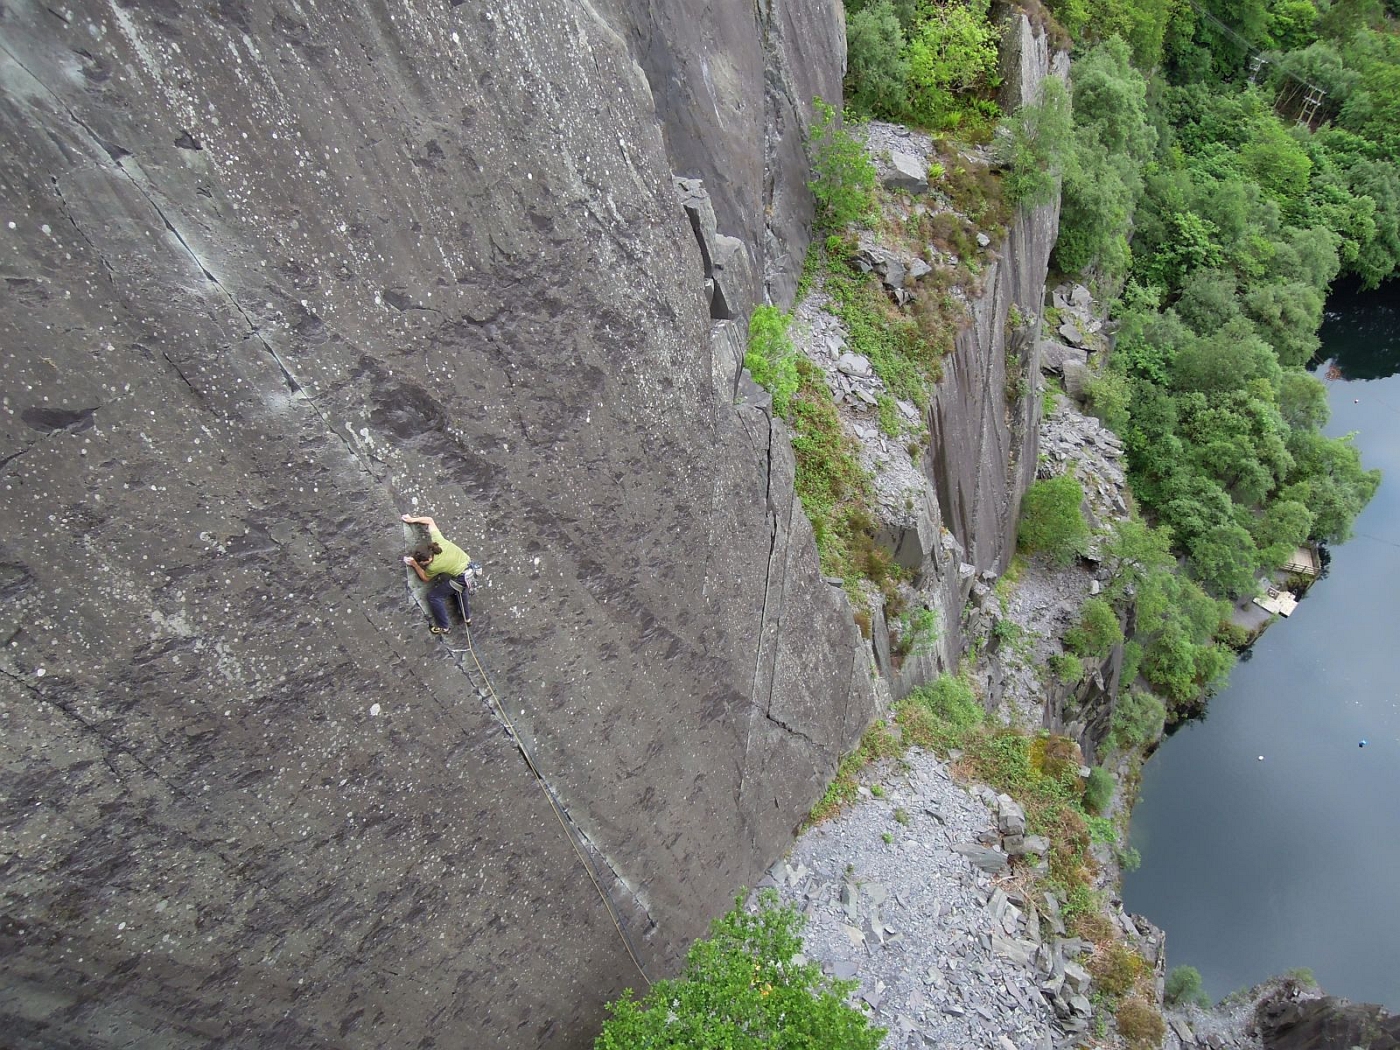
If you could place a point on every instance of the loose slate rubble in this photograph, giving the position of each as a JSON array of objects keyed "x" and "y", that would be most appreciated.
[{"x": 946, "y": 954}]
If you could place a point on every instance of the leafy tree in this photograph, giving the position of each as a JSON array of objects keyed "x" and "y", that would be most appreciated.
[
  {"x": 1208, "y": 301},
  {"x": 843, "y": 178},
  {"x": 1112, "y": 139},
  {"x": 876, "y": 66},
  {"x": 1142, "y": 23},
  {"x": 1051, "y": 521},
  {"x": 1227, "y": 359},
  {"x": 1176, "y": 623},
  {"x": 1287, "y": 315},
  {"x": 1302, "y": 400},
  {"x": 1276, "y": 161},
  {"x": 1132, "y": 551},
  {"x": 1184, "y": 986},
  {"x": 1109, "y": 395},
  {"x": 1329, "y": 480},
  {"x": 1280, "y": 530},
  {"x": 951, "y": 51},
  {"x": 1224, "y": 556},
  {"x": 1034, "y": 144},
  {"x": 1343, "y": 19},
  {"x": 1190, "y": 243},
  {"x": 1292, "y": 27},
  {"x": 743, "y": 989}
]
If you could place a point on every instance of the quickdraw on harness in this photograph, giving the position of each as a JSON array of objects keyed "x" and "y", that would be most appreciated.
[{"x": 466, "y": 584}]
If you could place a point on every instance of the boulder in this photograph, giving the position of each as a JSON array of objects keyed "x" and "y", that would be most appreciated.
[
  {"x": 1070, "y": 333},
  {"x": 1077, "y": 377},
  {"x": 1054, "y": 356},
  {"x": 1011, "y": 818},
  {"x": 875, "y": 258},
  {"x": 853, "y": 365},
  {"x": 1077, "y": 978},
  {"x": 984, "y": 857},
  {"x": 907, "y": 172},
  {"x": 1018, "y": 951}
]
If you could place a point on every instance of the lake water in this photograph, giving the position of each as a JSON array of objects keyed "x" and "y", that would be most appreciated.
[{"x": 1256, "y": 867}]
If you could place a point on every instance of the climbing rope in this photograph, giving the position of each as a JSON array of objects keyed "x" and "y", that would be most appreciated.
[{"x": 565, "y": 822}]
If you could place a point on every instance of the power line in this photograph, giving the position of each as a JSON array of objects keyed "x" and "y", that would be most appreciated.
[{"x": 1316, "y": 95}]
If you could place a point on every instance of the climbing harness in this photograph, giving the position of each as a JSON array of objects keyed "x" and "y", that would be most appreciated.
[{"x": 488, "y": 693}]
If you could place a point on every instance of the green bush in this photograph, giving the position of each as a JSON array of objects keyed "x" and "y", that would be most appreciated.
[
  {"x": 1112, "y": 141},
  {"x": 887, "y": 413},
  {"x": 1138, "y": 720},
  {"x": 843, "y": 177},
  {"x": 941, "y": 714},
  {"x": 1140, "y": 1024},
  {"x": 1098, "y": 790},
  {"x": 1051, "y": 521},
  {"x": 905, "y": 361},
  {"x": 1109, "y": 396},
  {"x": 918, "y": 632},
  {"x": 1098, "y": 630},
  {"x": 1117, "y": 968},
  {"x": 1066, "y": 667},
  {"x": 743, "y": 989},
  {"x": 1177, "y": 622},
  {"x": 875, "y": 61},
  {"x": 1184, "y": 986},
  {"x": 830, "y": 482},
  {"x": 771, "y": 358},
  {"x": 952, "y": 60},
  {"x": 1302, "y": 975},
  {"x": 931, "y": 64},
  {"x": 1034, "y": 144},
  {"x": 1132, "y": 664}
]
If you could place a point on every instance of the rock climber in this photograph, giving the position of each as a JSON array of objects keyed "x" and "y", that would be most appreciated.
[{"x": 439, "y": 564}]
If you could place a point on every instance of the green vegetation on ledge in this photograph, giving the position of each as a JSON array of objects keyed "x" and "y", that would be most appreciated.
[{"x": 744, "y": 989}]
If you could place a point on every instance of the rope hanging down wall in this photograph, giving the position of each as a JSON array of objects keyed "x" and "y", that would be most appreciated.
[{"x": 476, "y": 673}]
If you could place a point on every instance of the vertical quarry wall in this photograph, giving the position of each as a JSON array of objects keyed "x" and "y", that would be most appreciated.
[
  {"x": 275, "y": 273},
  {"x": 985, "y": 413}
]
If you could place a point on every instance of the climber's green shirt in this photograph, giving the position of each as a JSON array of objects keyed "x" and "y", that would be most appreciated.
[{"x": 453, "y": 561}]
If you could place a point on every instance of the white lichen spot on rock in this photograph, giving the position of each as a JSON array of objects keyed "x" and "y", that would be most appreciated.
[{"x": 374, "y": 710}]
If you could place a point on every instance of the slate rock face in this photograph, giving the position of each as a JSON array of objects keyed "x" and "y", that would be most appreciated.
[
  {"x": 1326, "y": 1023},
  {"x": 983, "y": 448},
  {"x": 274, "y": 275}
]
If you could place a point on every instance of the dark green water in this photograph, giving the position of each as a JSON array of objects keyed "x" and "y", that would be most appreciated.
[{"x": 1256, "y": 867}]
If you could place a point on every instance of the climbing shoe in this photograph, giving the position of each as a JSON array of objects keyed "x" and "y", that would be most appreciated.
[{"x": 437, "y": 630}]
